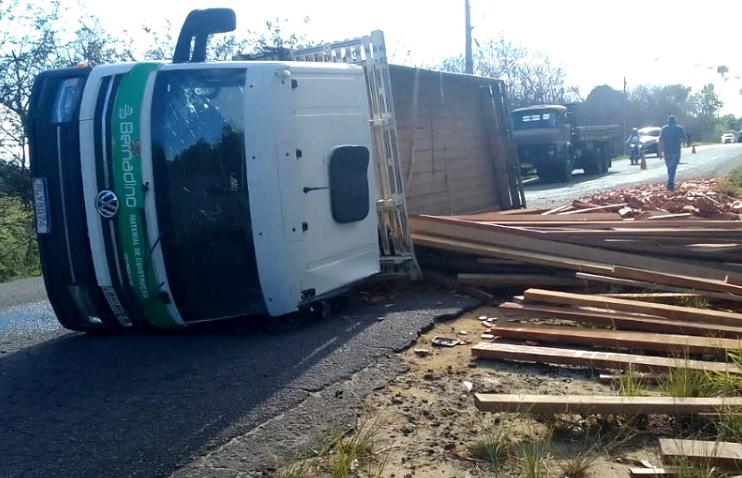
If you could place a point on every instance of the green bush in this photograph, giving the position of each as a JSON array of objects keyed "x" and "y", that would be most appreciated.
[
  {"x": 732, "y": 184},
  {"x": 19, "y": 254}
]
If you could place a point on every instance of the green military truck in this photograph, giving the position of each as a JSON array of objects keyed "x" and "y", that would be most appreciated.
[{"x": 550, "y": 141}]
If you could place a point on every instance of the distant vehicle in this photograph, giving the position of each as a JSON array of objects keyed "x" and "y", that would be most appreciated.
[
  {"x": 648, "y": 138},
  {"x": 727, "y": 138},
  {"x": 549, "y": 139}
]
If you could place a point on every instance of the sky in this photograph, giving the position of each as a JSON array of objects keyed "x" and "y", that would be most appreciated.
[{"x": 655, "y": 42}]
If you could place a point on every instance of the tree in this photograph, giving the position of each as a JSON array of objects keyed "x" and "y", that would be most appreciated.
[
  {"x": 722, "y": 70},
  {"x": 705, "y": 107},
  {"x": 33, "y": 40},
  {"x": 530, "y": 77}
]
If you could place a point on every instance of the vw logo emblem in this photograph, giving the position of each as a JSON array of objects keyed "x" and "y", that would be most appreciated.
[{"x": 107, "y": 204}]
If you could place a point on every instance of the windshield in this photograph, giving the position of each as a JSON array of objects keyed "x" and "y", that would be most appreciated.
[
  {"x": 649, "y": 132},
  {"x": 533, "y": 119},
  {"x": 198, "y": 151}
]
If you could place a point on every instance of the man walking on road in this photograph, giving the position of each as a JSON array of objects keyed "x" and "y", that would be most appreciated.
[{"x": 669, "y": 143}]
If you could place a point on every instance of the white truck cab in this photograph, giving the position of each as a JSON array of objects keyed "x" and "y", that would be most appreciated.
[{"x": 169, "y": 194}]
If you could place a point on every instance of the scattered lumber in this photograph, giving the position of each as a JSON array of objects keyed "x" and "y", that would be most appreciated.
[
  {"x": 594, "y": 359},
  {"x": 620, "y": 321},
  {"x": 518, "y": 280},
  {"x": 653, "y": 285},
  {"x": 554, "y": 260},
  {"x": 725, "y": 455},
  {"x": 670, "y": 311},
  {"x": 671, "y": 298},
  {"x": 678, "y": 345},
  {"x": 521, "y": 239},
  {"x": 586, "y": 404}
]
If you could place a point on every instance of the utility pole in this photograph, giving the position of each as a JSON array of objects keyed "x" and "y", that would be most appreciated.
[
  {"x": 469, "y": 60},
  {"x": 623, "y": 108}
]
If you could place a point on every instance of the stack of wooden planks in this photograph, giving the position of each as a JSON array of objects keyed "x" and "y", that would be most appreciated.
[
  {"x": 684, "y": 311},
  {"x": 579, "y": 247},
  {"x": 647, "y": 336},
  {"x": 610, "y": 333}
]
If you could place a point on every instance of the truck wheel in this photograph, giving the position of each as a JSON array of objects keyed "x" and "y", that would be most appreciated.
[
  {"x": 544, "y": 172},
  {"x": 564, "y": 171},
  {"x": 592, "y": 166}
]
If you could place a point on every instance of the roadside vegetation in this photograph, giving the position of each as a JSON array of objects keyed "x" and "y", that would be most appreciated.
[
  {"x": 732, "y": 184},
  {"x": 18, "y": 252}
]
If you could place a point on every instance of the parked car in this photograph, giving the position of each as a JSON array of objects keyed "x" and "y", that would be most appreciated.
[
  {"x": 727, "y": 138},
  {"x": 648, "y": 138}
]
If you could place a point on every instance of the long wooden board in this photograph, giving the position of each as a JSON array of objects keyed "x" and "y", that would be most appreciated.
[
  {"x": 670, "y": 311},
  {"x": 520, "y": 239},
  {"x": 592, "y": 359},
  {"x": 537, "y": 404},
  {"x": 677, "y": 280},
  {"x": 725, "y": 455},
  {"x": 517, "y": 280},
  {"x": 652, "y": 285},
  {"x": 620, "y": 321},
  {"x": 680, "y": 345},
  {"x": 460, "y": 245}
]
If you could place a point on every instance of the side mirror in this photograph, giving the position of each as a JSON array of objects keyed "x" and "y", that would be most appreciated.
[{"x": 199, "y": 25}]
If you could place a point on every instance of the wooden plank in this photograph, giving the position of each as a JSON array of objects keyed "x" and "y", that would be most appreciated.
[
  {"x": 609, "y": 405},
  {"x": 539, "y": 220},
  {"x": 725, "y": 455},
  {"x": 518, "y": 280},
  {"x": 592, "y": 209},
  {"x": 670, "y": 311},
  {"x": 507, "y": 253},
  {"x": 651, "y": 285},
  {"x": 604, "y": 221},
  {"x": 664, "y": 297},
  {"x": 452, "y": 283},
  {"x": 680, "y": 345},
  {"x": 620, "y": 321},
  {"x": 592, "y": 359},
  {"x": 504, "y": 236},
  {"x": 678, "y": 280}
]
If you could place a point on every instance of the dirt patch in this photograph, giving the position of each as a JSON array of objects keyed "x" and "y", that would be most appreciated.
[{"x": 427, "y": 422}]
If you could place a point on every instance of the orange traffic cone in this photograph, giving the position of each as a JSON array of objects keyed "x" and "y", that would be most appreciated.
[
  {"x": 643, "y": 164},
  {"x": 693, "y": 149}
]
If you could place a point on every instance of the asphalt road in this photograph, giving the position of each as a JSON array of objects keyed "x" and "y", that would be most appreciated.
[
  {"x": 217, "y": 402},
  {"x": 709, "y": 161},
  {"x": 227, "y": 400}
]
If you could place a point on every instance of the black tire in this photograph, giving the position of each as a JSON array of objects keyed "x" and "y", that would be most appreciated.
[
  {"x": 593, "y": 167},
  {"x": 544, "y": 172},
  {"x": 564, "y": 171},
  {"x": 605, "y": 162}
]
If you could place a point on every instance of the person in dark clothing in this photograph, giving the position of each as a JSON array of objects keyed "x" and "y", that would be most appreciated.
[{"x": 669, "y": 144}]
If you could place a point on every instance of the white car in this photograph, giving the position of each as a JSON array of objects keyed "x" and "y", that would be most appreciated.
[{"x": 727, "y": 138}]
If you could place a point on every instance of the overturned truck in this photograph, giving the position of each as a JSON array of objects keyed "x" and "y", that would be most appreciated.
[{"x": 172, "y": 193}]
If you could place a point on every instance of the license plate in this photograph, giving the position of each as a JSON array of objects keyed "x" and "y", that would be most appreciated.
[{"x": 41, "y": 207}]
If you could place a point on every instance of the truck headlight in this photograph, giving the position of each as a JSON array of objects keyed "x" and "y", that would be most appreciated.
[{"x": 68, "y": 95}]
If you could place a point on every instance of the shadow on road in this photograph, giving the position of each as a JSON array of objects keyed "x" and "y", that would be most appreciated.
[{"x": 140, "y": 406}]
